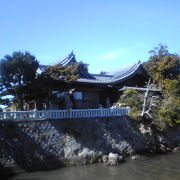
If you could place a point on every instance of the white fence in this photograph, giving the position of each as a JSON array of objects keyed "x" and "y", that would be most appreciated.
[{"x": 61, "y": 114}]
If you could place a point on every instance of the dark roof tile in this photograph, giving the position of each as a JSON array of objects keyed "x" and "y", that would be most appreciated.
[{"x": 112, "y": 77}]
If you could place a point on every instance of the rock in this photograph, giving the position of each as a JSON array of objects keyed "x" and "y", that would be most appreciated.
[
  {"x": 120, "y": 158},
  {"x": 145, "y": 130},
  {"x": 148, "y": 134},
  {"x": 94, "y": 159},
  {"x": 83, "y": 141},
  {"x": 87, "y": 156},
  {"x": 163, "y": 140},
  {"x": 84, "y": 153},
  {"x": 105, "y": 158},
  {"x": 176, "y": 149},
  {"x": 136, "y": 157},
  {"x": 113, "y": 159}
]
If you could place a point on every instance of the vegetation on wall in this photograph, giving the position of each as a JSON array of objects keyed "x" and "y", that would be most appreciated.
[
  {"x": 164, "y": 69},
  {"x": 133, "y": 99}
]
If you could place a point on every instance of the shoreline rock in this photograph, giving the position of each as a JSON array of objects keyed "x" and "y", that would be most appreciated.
[
  {"x": 136, "y": 157},
  {"x": 113, "y": 159},
  {"x": 81, "y": 141}
]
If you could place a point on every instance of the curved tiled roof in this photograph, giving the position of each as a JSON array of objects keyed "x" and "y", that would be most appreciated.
[
  {"x": 121, "y": 72},
  {"x": 70, "y": 59},
  {"x": 113, "y": 77}
]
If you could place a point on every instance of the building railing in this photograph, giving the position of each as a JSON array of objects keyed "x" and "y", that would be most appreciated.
[{"x": 62, "y": 114}]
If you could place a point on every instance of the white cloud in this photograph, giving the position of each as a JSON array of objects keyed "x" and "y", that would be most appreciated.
[{"x": 115, "y": 54}]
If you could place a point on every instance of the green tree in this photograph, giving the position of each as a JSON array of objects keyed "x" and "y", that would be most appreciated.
[
  {"x": 17, "y": 71},
  {"x": 160, "y": 51},
  {"x": 164, "y": 67},
  {"x": 67, "y": 74},
  {"x": 134, "y": 100},
  {"x": 169, "y": 110}
]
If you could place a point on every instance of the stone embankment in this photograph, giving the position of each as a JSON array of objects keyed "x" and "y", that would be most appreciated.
[{"x": 54, "y": 143}]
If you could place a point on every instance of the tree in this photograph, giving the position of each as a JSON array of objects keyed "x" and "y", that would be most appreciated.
[
  {"x": 67, "y": 74},
  {"x": 161, "y": 50},
  {"x": 17, "y": 72},
  {"x": 162, "y": 109},
  {"x": 169, "y": 110},
  {"x": 168, "y": 67},
  {"x": 164, "y": 67},
  {"x": 157, "y": 53},
  {"x": 103, "y": 73},
  {"x": 134, "y": 100}
]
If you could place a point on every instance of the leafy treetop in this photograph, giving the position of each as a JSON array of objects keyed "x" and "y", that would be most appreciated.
[
  {"x": 16, "y": 72},
  {"x": 164, "y": 67},
  {"x": 66, "y": 73}
]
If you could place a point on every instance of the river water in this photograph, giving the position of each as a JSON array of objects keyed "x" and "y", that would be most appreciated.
[{"x": 158, "y": 167}]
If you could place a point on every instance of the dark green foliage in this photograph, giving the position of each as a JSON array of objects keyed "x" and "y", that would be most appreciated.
[
  {"x": 103, "y": 73},
  {"x": 167, "y": 67},
  {"x": 169, "y": 111},
  {"x": 165, "y": 70},
  {"x": 171, "y": 87},
  {"x": 64, "y": 73},
  {"x": 4, "y": 101},
  {"x": 67, "y": 74},
  {"x": 17, "y": 71},
  {"x": 134, "y": 100},
  {"x": 159, "y": 52},
  {"x": 82, "y": 67},
  {"x": 163, "y": 65}
]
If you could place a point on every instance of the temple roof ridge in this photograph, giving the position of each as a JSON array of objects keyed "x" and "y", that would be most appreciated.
[
  {"x": 68, "y": 60},
  {"x": 123, "y": 69},
  {"x": 116, "y": 76}
]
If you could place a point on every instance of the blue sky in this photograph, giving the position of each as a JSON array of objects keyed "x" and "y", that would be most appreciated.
[{"x": 106, "y": 34}]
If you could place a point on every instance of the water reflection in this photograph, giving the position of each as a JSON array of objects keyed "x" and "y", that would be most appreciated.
[{"x": 161, "y": 167}]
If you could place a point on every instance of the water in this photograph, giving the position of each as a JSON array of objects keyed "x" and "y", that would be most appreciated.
[{"x": 159, "y": 167}]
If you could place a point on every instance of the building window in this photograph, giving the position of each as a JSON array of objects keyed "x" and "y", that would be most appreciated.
[{"x": 78, "y": 95}]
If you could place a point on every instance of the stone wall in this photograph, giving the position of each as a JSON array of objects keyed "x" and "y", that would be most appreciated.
[{"x": 54, "y": 143}]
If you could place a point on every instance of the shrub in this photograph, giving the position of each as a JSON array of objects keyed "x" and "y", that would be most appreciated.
[{"x": 134, "y": 100}]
